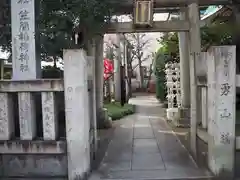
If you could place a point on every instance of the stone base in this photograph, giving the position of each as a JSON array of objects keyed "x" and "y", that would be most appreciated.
[
  {"x": 103, "y": 120},
  {"x": 184, "y": 120},
  {"x": 179, "y": 116},
  {"x": 173, "y": 114},
  {"x": 32, "y": 166}
]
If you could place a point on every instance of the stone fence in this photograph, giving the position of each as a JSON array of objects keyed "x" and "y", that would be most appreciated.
[
  {"x": 30, "y": 145},
  {"x": 216, "y": 106}
]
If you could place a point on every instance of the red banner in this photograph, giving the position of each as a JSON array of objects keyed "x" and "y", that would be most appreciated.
[{"x": 108, "y": 68}]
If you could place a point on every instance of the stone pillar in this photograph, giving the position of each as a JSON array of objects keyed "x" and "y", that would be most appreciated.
[
  {"x": 24, "y": 61},
  {"x": 195, "y": 50},
  {"x": 77, "y": 113},
  {"x": 222, "y": 110},
  {"x": 27, "y": 116},
  {"x": 99, "y": 68},
  {"x": 49, "y": 116},
  {"x": 174, "y": 93},
  {"x": 6, "y": 117},
  {"x": 117, "y": 75},
  {"x": 184, "y": 64}
]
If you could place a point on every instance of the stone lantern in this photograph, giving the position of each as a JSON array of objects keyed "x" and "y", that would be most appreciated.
[
  {"x": 172, "y": 72},
  {"x": 143, "y": 13}
]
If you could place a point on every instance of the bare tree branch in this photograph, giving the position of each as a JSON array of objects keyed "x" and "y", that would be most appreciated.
[{"x": 145, "y": 59}]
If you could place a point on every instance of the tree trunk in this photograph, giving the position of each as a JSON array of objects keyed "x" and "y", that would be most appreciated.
[
  {"x": 139, "y": 55},
  {"x": 149, "y": 78},
  {"x": 141, "y": 74},
  {"x": 129, "y": 74},
  {"x": 117, "y": 76},
  {"x": 55, "y": 62}
]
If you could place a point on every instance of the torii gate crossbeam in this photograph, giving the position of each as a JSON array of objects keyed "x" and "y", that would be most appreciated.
[{"x": 126, "y": 6}]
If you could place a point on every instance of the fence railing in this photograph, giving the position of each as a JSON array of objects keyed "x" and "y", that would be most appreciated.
[{"x": 26, "y": 111}]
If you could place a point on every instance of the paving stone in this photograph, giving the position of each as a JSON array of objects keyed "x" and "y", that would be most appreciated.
[
  {"x": 159, "y": 174},
  {"x": 143, "y": 133},
  {"x": 144, "y": 143},
  {"x": 149, "y": 161},
  {"x": 116, "y": 166},
  {"x": 144, "y": 147},
  {"x": 118, "y": 156}
]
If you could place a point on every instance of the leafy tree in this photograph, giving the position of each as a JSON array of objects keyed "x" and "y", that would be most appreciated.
[
  {"x": 50, "y": 72},
  {"x": 56, "y": 22},
  {"x": 217, "y": 33},
  {"x": 161, "y": 58},
  {"x": 169, "y": 46}
]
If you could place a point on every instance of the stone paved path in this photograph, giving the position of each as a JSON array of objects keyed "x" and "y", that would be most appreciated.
[{"x": 144, "y": 147}]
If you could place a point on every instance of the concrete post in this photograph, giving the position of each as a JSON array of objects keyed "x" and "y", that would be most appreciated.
[
  {"x": 184, "y": 64},
  {"x": 204, "y": 107},
  {"x": 91, "y": 54},
  {"x": 195, "y": 50},
  {"x": 117, "y": 75},
  {"x": 77, "y": 113},
  {"x": 99, "y": 68},
  {"x": 222, "y": 110}
]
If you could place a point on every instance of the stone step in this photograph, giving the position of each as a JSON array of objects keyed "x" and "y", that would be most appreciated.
[
  {"x": 29, "y": 178},
  {"x": 173, "y": 174}
]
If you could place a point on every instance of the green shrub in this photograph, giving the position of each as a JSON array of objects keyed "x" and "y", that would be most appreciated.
[
  {"x": 159, "y": 71},
  {"x": 116, "y": 111}
]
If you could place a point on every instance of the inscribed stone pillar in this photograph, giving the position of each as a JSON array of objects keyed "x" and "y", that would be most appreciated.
[
  {"x": 24, "y": 63},
  {"x": 195, "y": 50},
  {"x": 222, "y": 110},
  {"x": 27, "y": 116},
  {"x": 77, "y": 113},
  {"x": 99, "y": 68},
  {"x": 184, "y": 64},
  {"x": 49, "y": 116}
]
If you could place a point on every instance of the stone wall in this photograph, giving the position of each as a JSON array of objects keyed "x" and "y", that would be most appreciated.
[
  {"x": 31, "y": 144},
  {"x": 28, "y": 159}
]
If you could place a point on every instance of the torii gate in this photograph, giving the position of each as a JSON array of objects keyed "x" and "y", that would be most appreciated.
[{"x": 26, "y": 69}]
